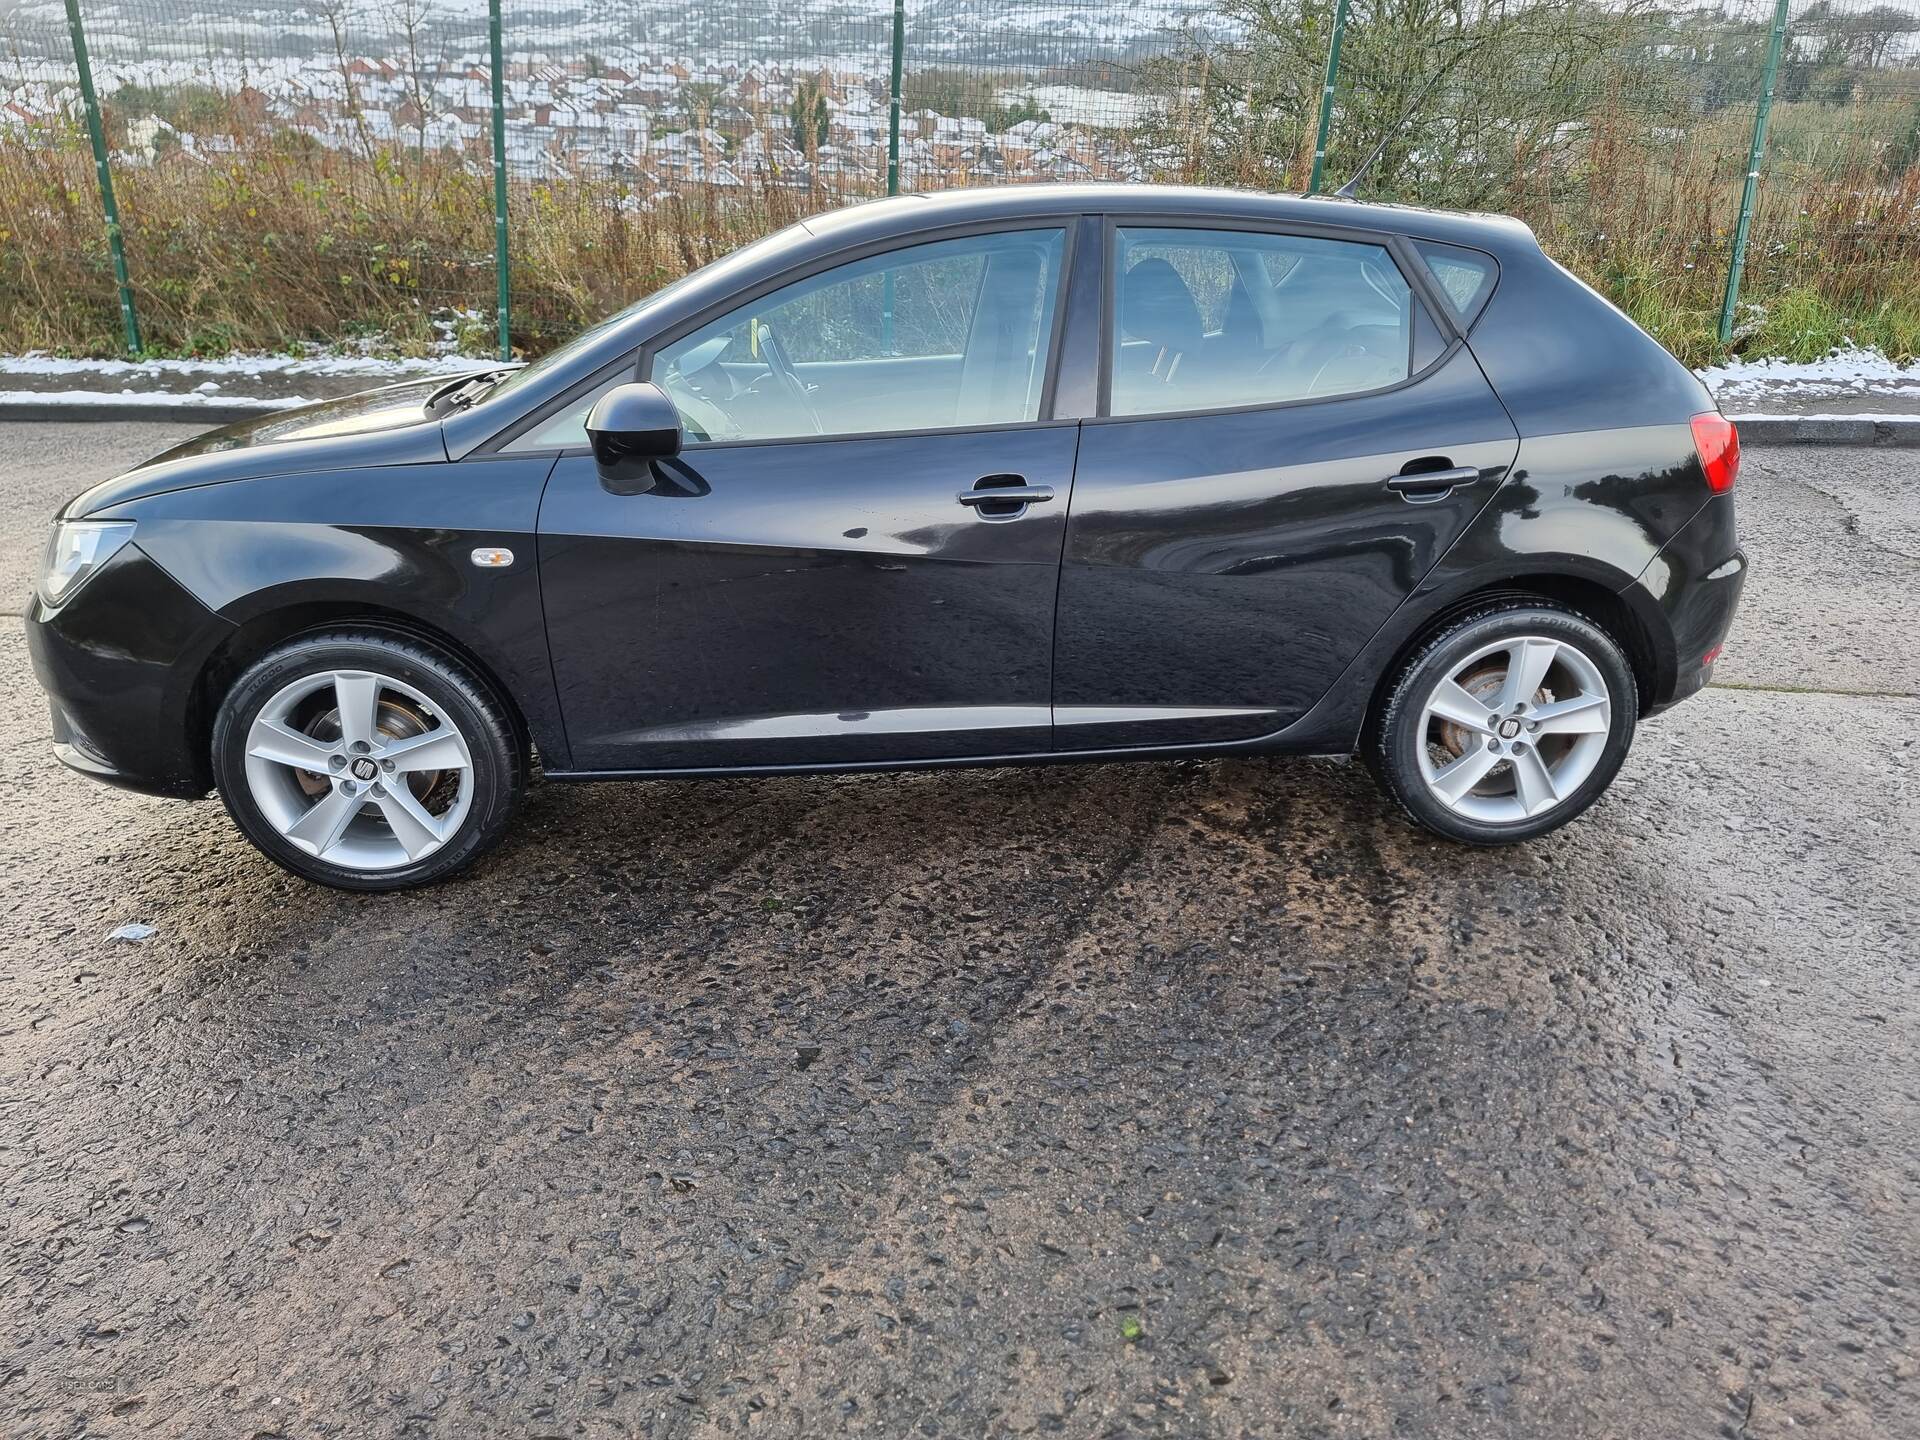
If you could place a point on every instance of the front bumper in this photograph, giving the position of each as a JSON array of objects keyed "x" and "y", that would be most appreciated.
[
  {"x": 1696, "y": 581},
  {"x": 120, "y": 663}
]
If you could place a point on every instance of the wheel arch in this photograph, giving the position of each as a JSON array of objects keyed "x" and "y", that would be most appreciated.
[
  {"x": 1613, "y": 609},
  {"x": 271, "y": 626}
]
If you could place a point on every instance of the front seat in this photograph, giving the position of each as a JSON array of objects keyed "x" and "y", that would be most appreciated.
[{"x": 997, "y": 375}]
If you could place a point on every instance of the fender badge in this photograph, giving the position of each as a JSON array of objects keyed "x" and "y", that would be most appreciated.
[{"x": 492, "y": 557}]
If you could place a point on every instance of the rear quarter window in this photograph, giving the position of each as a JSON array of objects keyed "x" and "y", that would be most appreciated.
[{"x": 1465, "y": 277}]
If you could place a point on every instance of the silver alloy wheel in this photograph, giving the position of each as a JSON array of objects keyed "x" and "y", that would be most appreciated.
[
  {"x": 359, "y": 770},
  {"x": 1514, "y": 729}
]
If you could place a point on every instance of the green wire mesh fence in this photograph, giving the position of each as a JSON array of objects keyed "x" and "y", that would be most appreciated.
[{"x": 326, "y": 170}]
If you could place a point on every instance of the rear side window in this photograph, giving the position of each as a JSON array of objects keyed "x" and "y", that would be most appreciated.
[
  {"x": 1210, "y": 319},
  {"x": 1465, "y": 277}
]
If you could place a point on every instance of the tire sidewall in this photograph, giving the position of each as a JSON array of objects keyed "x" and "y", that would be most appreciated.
[
  {"x": 457, "y": 697},
  {"x": 1401, "y": 733}
]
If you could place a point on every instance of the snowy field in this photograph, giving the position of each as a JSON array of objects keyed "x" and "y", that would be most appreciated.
[
  {"x": 275, "y": 381},
  {"x": 1851, "y": 382},
  {"x": 1847, "y": 382}
]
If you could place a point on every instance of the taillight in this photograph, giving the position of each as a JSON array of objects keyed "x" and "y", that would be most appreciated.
[{"x": 1719, "y": 446}]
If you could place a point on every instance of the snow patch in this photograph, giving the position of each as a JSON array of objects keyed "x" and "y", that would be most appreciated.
[
  {"x": 1907, "y": 418},
  {"x": 1850, "y": 371},
  {"x": 182, "y": 400},
  {"x": 38, "y": 362}
]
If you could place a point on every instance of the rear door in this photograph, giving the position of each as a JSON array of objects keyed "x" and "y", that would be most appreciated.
[
  {"x": 823, "y": 576},
  {"x": 1289, "y": 440}
]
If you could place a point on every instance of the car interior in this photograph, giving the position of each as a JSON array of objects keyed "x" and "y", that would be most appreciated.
[
  {"x": 949, "y": 339},
  {"x": 1208, "y": 320}
]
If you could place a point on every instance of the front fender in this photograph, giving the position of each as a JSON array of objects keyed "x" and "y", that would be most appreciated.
[{"x": 393, "y": 540}]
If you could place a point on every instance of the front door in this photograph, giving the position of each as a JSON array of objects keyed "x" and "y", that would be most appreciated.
[
  {"x": 1291, "y": 443},
  {"x": 822, "y": 577}
]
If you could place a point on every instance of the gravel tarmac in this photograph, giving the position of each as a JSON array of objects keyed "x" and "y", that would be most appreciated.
[{"x": 1195, "y": 1099}]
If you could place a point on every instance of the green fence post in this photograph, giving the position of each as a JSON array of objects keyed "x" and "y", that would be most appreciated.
[
  {"x": 97, "y": 132},
  {"x": 1738, "y": 263},
  {"x": 500, "y": 270},
  {"x": 893, "y": 96},
  {"x": 1326, "y": 96},
  {"x": 893, "y": 158}
]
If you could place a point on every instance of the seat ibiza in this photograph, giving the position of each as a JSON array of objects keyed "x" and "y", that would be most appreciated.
[{"x": 997, "y": 476}]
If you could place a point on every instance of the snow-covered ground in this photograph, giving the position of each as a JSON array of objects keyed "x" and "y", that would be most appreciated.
[
  {"x": 1851, "y": 383},
  {"x": 1848, "y": 382},
  {"x": 36, "y": 362},
  {"x": 184, "y": 400},
  {"x": 271, "y": 381}
]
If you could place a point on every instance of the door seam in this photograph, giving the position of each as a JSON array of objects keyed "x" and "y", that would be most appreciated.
[{"x": 1059, "y": 579}]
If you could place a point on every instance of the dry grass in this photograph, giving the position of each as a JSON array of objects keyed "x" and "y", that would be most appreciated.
[
  {"x": 1832, "y": 253},
  {"x": 279, "y": 246},
  {"x": 283, "y": 242}
]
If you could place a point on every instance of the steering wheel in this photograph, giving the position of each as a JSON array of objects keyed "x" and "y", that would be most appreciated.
[{"x": 776, "y": 357}]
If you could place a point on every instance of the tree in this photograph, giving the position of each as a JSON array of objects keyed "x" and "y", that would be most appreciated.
[
  {"x": 810, "y": 116},
  {"x": 697, "y": 101},
  {"x": 1467, "y": 94},
  {"x": 1005, "y": 117},
  {"x": 1867, "y": 38}
]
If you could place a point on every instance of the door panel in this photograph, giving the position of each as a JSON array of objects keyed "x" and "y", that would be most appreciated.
[
  {"x": 807, "y": 603},
  {"x": 1222, "y": 570}
]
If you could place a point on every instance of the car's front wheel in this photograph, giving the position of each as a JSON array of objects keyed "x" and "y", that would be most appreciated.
[
  {"x": 367, "y": 761},
  {"x": 1506, "y": 723}
]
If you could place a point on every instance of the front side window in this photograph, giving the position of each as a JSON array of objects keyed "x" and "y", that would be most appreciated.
[
  {"x": 1209, "y": 319},
  {"x": 951, "y": 334},
  {"x": 566, "y": 428}
]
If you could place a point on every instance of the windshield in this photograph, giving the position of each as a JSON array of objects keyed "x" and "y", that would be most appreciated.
[{"x": 553, "y": 358}]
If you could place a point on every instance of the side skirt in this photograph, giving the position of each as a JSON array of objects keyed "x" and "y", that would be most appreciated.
[{"x": 1263, "y": 745}]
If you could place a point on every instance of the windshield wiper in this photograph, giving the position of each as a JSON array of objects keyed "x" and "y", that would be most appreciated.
[{"x": 461, "y": 391}]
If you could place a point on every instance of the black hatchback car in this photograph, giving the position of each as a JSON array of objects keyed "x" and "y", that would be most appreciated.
[{"x": 1040, "y": 473}]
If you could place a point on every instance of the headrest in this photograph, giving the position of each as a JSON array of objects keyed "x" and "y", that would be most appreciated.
[{"x": 1156, "y": 306}]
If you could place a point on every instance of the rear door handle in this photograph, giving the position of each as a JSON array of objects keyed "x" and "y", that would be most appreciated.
[
  {"x": 1431, "y": 484},
  {"x": 1007, "y": 494}
]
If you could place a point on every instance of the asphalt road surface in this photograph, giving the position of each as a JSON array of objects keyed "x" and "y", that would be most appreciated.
[{"x": 1198, "y": 1099}]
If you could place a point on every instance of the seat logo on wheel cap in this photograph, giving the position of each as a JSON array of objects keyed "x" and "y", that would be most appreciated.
[
  {"x": 1509, "y": 728},
  {"x": 365, "y": 769}
]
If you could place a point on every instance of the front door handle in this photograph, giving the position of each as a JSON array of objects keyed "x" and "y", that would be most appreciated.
[
  {"x": 1424, "y": 485},
  {"x": 1003, "y": 497},
  {"x": 1007, "y": 494}
]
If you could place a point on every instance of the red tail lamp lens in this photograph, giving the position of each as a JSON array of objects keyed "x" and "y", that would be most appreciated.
[{"x": 1719, "y": 446}]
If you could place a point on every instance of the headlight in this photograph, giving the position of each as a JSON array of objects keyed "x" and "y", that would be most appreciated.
[{"x": 78, "y": 549}]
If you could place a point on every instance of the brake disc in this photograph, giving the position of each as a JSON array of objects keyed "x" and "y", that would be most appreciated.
[{"x": 394, "y": 721}]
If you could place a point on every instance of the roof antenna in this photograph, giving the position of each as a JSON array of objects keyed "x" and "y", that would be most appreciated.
[{"x": 1347, "y": 191}]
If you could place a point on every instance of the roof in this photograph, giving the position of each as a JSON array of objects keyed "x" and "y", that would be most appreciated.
[{"x": 907, "y": 213}]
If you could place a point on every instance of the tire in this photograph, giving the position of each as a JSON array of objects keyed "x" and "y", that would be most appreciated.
[
  {"x": 1526, "y": 762},
  {"x": 372, "y": 712}
]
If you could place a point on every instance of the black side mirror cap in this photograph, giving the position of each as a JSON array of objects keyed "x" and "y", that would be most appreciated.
[{"x": 629, "y": 428}]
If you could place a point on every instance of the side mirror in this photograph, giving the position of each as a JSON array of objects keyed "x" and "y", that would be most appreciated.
[{"x": 629, "y": 428}]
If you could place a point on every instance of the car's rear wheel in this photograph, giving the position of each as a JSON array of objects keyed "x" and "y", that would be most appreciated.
[
  {"x": 1506, "y": 723},
  {"x": 367, "y": 761}
]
